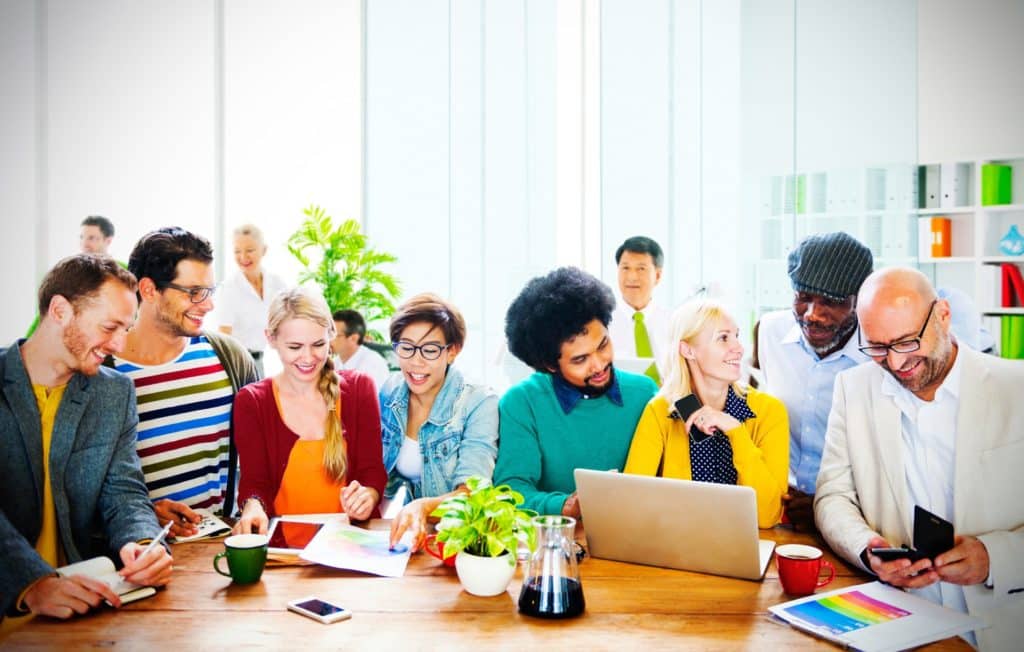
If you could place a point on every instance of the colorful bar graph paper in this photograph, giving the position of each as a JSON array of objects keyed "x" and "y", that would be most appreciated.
[{"x": 846, "y": 612}]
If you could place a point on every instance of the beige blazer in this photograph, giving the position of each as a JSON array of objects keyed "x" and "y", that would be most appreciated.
[{"x": 862, "y": 488}]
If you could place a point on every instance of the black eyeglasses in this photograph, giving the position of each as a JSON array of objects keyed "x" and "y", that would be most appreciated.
[
  {"x": 429, "y": 351},
  {"x": 903, "y": 346},
  {"x": 195, "y": 295}
]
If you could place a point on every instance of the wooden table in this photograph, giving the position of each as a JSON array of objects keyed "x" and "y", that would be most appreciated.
[{"x": 628, "y": 607}]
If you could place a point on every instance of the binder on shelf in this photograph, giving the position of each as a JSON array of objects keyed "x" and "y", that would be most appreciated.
[
  {"x": 817, "y": 183},
  {"x": 942, "y": 244},
  {"x": 996, "y": 184},
  {"x": 901, "y": 187},
  {"x": 1011, "y": 329},
  {"x": 954, "y": 183},
  {"x": 1013, "y": 283},
  {"x": 928, "y": 186},
  {"x": 874, "y": 191}
]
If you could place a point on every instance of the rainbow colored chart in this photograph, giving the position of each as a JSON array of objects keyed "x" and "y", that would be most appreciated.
[
  {"x": 846, "y": 612},
  {"x": 343, "y": 546}
]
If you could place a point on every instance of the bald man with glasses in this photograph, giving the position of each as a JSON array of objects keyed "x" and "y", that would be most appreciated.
[
  {"x": 185, "y": 379},
  {"x": 937, "y": 425}
]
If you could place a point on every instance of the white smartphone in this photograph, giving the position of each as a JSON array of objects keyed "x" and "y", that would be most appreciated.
[{"x": 317, "y": 609}]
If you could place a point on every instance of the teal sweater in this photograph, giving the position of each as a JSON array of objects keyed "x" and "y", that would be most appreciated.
[{"x": 539, "y": 445}]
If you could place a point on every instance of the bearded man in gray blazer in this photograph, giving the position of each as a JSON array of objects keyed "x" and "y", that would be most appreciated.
[
  {"x": 71, "y": 483},
  {"x": 933, "y": 424}
]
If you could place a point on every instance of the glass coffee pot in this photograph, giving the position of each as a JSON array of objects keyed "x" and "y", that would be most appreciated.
[{"x": 551, "y": 578}]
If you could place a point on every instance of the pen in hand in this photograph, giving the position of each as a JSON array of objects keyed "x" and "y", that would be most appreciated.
[{"x": 157, "y": 541}]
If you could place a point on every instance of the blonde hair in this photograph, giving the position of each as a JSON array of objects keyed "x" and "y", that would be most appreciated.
[
  {"x": 688, "y": 321},
  {"x": 302, "y": 303},
  {"x": 250, "y": 230}
]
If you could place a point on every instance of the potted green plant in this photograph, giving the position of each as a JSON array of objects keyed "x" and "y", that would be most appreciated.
[
  {"x": 347, "y": 269},
  {"x": 483, "y": 529}
]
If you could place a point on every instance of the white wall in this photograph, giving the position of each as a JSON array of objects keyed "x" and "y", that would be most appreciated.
[
  {"x": 292, "y": 117},
  {"x": 970, "y": 79},
  {"x": 154, "y": 113},
  {"x": 18, "y": 166},
  {"x": 129, "y": 108}
]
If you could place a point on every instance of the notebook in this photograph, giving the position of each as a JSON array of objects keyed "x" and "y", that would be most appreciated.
[
  {"x": 694, "y": 526},
  {"x": 102, "y": 569},
  {"x": 209, "y": 527}
]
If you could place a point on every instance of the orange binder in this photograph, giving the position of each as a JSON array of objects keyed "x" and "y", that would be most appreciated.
[{"x": 941, "y": 242}]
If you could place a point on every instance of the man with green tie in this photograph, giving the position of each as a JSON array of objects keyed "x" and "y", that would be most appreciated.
[{"x": 639, "y": 327}]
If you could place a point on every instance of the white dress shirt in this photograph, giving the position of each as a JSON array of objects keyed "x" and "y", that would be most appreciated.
[
  {"x": 237, "y": 305},
  {"x": 794, "y": 374},
  {"x": 929, "y": 453},
  {"x": 621, "y": 331},
  {"x": 370, "y": 363}
]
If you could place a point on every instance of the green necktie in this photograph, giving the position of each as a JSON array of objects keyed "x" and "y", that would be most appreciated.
[{"x": 643, "y": 346}]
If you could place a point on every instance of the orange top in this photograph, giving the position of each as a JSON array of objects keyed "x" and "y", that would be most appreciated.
[{"x": 305, "y": 487}]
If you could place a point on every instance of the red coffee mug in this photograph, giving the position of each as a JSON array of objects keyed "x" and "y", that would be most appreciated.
[
  {"x": 436, "y": 549},
  {"x": 800, "y": 567}
]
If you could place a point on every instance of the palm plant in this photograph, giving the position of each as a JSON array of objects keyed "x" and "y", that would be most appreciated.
[{"x": 340, "y": 260}]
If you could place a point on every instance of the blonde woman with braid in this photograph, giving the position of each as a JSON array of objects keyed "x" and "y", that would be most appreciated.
[{"x": 308, "y": 438}]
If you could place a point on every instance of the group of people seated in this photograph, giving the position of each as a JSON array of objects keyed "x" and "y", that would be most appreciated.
[{"x": 121, "y": 413}]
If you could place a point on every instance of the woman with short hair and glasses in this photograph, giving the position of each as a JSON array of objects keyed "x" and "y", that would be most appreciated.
[{"x": 437, "y": 429}]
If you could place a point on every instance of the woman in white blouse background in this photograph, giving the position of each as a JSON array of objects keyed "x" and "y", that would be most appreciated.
[{"x": 243, "y": 300}]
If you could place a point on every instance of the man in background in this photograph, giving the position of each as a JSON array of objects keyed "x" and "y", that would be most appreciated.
[
  {"x": 352, "y": 353},
  {"x": 639, "y": 326},
  {"x": 96, "y": 234}
]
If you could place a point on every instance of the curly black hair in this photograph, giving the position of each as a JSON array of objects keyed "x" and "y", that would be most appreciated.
[
  {"x": 550, "y": 310},
  {"x": 156, "y": 255}
]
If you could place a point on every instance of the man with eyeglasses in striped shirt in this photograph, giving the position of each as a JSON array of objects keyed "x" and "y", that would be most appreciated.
[{"x": 185, "y": 380}]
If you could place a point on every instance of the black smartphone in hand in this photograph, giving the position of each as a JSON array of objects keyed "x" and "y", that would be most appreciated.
[
  {"x": 686, "y": 406},
  {"x": 933, "y": 535},
  {"x": 892, "y": 554}
]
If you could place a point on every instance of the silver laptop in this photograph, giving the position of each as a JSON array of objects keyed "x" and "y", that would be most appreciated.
[{"x": 694, "y": 526}]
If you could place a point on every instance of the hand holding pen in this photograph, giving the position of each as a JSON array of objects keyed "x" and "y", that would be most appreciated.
[{"x": 150, "y": 565}]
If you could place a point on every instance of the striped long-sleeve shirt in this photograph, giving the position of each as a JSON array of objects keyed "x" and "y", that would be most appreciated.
[{"x": 184, "y": 424}]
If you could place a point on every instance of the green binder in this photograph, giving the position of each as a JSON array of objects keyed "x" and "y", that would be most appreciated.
[
  {"x": 996, "y": 184},
  {"x": 1012, "y": 336}
]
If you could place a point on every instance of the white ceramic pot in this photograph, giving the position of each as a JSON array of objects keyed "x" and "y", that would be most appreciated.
[{"x": 484, "y": 576}]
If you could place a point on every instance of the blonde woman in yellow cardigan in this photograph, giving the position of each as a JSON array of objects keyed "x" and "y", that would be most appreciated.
[{"x": 740, "y": 436}]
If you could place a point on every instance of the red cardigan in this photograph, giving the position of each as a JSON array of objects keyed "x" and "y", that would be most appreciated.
[{"x": 264, "y": 441}]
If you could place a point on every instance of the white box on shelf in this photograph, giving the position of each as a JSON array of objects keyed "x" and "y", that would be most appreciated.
[
  {"x": 954, "y": 184},
  {"x": 817, "y": 188},
  {"x": 900, "y": 187},
  {"x": 874, "y": 189}
]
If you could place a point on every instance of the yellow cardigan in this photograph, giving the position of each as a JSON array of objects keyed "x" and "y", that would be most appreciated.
[{"x": 760, "y": 450}]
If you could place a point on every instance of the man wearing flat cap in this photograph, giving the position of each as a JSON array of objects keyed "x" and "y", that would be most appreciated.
[{"x": 801, "y": 351}]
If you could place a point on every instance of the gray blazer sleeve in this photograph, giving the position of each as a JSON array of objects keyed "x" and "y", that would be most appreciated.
[{"x": 20, "y": 564}]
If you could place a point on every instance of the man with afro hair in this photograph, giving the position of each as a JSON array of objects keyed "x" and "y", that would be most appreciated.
[{"x": 577, "y": 410}]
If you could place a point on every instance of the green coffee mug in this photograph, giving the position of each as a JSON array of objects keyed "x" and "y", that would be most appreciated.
[{"x": 247, "y": 555}]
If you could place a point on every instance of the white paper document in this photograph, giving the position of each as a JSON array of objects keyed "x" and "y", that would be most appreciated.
[
  {"x": 340, "y": 545},
  {"x": 874, "y": 617}
]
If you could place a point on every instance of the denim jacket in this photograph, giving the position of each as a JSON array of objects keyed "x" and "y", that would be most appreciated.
[{"x": 458, "y": 439}]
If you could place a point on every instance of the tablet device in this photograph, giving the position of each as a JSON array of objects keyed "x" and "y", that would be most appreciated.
[{"x": 289, "y": 535}]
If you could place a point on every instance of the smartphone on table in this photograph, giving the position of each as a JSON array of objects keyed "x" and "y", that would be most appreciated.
[{"x": 319, "y": 609}]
